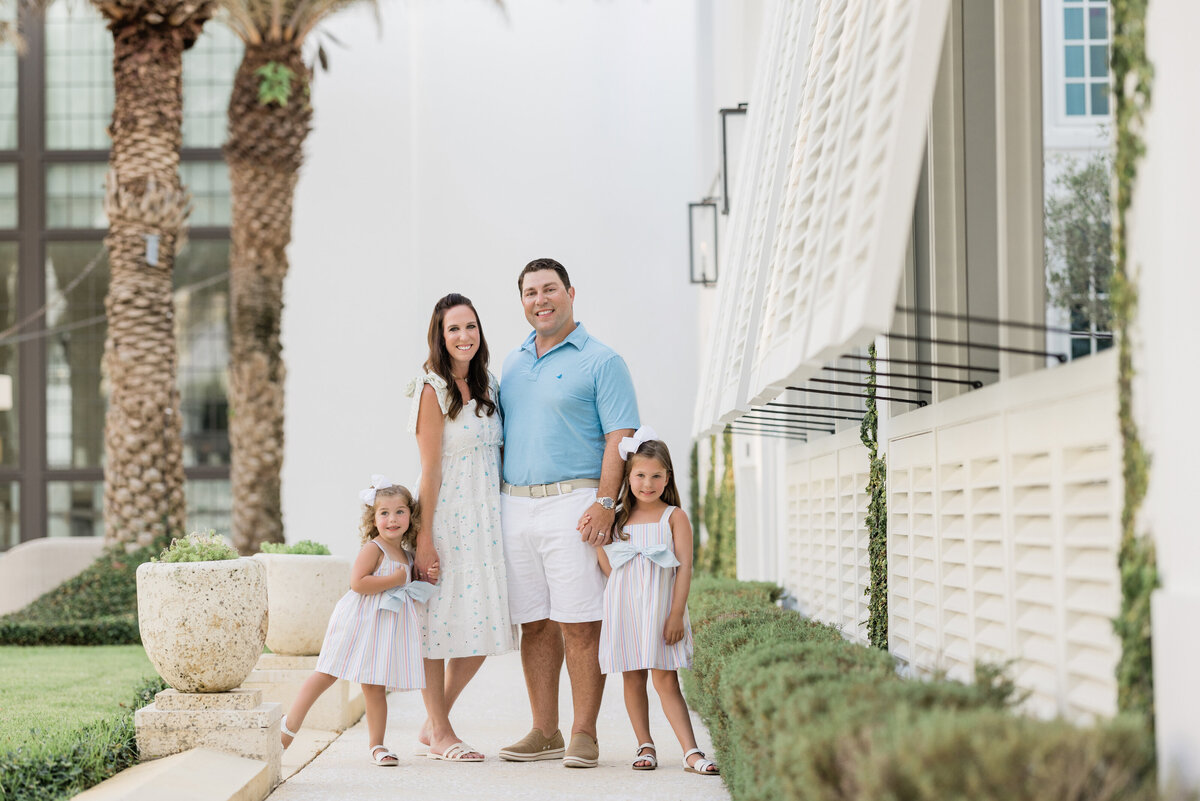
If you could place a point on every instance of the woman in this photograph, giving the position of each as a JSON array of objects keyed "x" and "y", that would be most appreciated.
[{"x": 457, "y": 423}]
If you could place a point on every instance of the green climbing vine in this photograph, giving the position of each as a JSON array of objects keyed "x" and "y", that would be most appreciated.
[
  {"x": 1132, "y": 78},
  {"x": 718, "y": 557},
  {"x": 694, "y": 498},
  {"x": 877, "y": 618}
]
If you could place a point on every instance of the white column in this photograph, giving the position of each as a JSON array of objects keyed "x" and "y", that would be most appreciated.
[{"x": 1163, "y": 257}]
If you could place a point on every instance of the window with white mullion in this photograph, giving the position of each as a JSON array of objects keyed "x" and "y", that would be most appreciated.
[{"x": 1086, "y": 39}]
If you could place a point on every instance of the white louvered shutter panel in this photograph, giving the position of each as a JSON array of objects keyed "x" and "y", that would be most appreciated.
[
  {"x": 885, "y": 181},
  {"x": 764, "y": 185},
  {"x": 852, "y": 185},
  {"x": 713, "y": 373}
]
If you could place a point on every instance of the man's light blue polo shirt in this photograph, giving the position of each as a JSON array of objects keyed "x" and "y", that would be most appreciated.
[{"x": 558, "y": 408}]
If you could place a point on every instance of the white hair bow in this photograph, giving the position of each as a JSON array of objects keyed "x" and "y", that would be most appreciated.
[
  {"x": 629, "y": 445},
  {"x": 378, "y": 482}
]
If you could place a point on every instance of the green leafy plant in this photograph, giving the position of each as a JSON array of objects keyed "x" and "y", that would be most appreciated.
[
  {"x": 96, "y": 607},
  {"x": 694, "y": 499},
  {"x": 877, "y": 615},
  {"x": 197, "y": 547},
  {"x": 1132, "y": 79},
  {"x": 1078, "y": 224},
  {"x": 798, "y": 712},
  {"x": 61, "y": 764},
  {"x": 305, "y": 547},
  {"x": 274, "y": 83},
  {"x": 727, "y": 512}
]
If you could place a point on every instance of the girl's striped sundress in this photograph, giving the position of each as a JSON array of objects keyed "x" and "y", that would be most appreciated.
[
  {"x": 370, "y": 645},
  {"x": 637, "y": 601}
]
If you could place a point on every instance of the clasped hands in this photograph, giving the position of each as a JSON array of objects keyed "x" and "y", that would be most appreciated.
[
  {"x": 595, "y": 526},
  {"x": 426, "y": 565}
]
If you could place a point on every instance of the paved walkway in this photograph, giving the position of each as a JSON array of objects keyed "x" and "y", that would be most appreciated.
[{"x": 493, "y": 712}]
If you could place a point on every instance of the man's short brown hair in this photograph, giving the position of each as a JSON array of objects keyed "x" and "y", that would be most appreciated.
[{"x": 538, "y": 265}]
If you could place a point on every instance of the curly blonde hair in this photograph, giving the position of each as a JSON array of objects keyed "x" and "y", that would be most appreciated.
[{"x": 367, "y": 527}]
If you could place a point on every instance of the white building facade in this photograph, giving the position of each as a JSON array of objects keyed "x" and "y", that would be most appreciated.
[{"x": 896, "y": 161}]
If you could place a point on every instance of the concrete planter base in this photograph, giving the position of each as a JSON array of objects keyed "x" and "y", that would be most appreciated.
[
  {"x": 237, "y": 723},
  {"x": 278, "y": 678}
]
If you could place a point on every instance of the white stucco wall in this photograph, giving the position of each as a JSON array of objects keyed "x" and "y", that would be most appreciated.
[{"x": 450, "y": 148}]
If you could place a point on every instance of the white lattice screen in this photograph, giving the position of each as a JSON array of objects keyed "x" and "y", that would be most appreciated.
[
  {"x": 825, "y": 542},
  {"x": 1002, "y": 536}
]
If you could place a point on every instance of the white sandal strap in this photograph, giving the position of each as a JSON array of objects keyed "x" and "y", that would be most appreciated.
[
  {"x": 703, "y": 765},
  {"x": 460, "y": 749},
  {"x": 283, "y": 727},
  {"x": 693, "y": 751},
  {"x": 640, "y": 757}
]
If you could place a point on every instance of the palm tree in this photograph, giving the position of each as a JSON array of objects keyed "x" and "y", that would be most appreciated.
[
  {"x": 269, "y": 119},
  {"x": 147, "y": 213}
]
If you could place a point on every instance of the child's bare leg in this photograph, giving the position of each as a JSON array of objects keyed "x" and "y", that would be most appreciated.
[
  {"x": 666, "y": 684},
  {"x": 638, "y": 706},
  {"x": 310, "y": 691},
  {"x": 375, "y": 699}
]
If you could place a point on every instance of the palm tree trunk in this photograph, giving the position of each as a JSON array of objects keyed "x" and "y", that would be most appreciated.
[
  {"x": 147, "y": 211},
  {"x": 264, "y": 151}
]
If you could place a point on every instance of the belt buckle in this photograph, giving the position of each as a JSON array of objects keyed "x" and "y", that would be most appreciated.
[{"x": 537, "y": 491}]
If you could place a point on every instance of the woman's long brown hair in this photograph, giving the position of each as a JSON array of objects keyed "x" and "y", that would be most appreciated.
[{"x": 439, "y": 361}]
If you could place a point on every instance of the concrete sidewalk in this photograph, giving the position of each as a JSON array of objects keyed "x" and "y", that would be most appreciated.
[{"x": 494, "y": 712}]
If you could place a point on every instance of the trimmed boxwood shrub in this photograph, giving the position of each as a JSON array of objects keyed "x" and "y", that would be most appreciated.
[
  {"x": 67, "y": 763},
  {"x": 757, "y": 680},
  {"x": 797, "y": 712},
  {"x": 112, "y": 630},
  {"x": 983, "y": 755},
  {"x": 96, "y": 607}
]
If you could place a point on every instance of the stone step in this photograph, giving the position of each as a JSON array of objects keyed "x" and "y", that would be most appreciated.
[{"x": 200, "y": 774}]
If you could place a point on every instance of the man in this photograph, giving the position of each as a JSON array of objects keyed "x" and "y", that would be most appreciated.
[{"x": 567, "y": 401}]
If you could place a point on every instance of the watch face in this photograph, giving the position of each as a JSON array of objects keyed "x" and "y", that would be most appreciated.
[{"x": 607, "y": 503}]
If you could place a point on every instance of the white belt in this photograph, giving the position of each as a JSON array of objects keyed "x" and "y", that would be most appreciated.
[{"x": 548, "y": 490}]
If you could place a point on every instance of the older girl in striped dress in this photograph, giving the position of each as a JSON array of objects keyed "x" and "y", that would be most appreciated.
[
  {"x": 645, "y": 630},
  {"x": 374, "y": 635}
]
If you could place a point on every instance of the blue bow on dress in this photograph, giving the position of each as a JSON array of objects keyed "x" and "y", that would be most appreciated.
[
  {"x": 413, "y": 592},
  {"x": 621, "y": 551}
]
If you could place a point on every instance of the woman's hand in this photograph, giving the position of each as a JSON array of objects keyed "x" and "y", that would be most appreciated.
[
  {"x": 426, "y": 561},
  {"x": 673, "y": 630}
]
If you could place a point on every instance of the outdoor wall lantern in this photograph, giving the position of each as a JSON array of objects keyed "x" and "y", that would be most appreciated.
[
  {"x": 725, "y": 113},
  {"x": 702, "y": 242}
]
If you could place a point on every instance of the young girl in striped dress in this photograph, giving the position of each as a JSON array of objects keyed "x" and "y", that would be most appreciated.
[
  {"x": 374, "y": 635},
  {"x": 645, "y": 630}
]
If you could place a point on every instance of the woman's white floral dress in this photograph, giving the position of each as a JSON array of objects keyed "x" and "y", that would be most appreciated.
[{"x": 468, "y": 616}]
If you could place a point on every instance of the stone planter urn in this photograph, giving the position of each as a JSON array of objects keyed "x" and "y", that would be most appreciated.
[
  {"x": 203, "y": 624},
  {"x": 302, "y": 590}
]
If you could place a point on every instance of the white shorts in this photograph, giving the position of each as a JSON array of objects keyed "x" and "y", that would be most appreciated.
[{"x": 552, "y": 573}]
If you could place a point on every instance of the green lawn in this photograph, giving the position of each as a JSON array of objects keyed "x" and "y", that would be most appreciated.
[{"x": 56, "y": 688}]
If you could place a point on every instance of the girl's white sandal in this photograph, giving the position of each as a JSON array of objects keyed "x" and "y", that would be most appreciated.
[
  {"x": 651, "y": 758},
  {"x": 379, "y": 755},
  {"x": 284, "y": 730},
  {"x": 701, "y": 765}
]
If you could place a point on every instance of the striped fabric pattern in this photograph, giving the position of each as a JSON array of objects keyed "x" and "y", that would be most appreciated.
[
  {"x": 637, "y": 601},
  {"x": 369, "y": 645}
]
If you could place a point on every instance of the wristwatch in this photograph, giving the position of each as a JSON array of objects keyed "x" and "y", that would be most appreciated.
[{"x": 607, "y": 503}]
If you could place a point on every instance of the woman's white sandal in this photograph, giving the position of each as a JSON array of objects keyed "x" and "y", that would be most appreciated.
[
  {"x": 458, "y": 752},
  {"x": 285, "y": 731},
  {"x": 651, "y": 758},
  {"x": 380, "y": 759},
  {"x": 701, "y": 765}
]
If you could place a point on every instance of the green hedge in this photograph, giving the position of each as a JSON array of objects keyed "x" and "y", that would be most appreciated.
[
  {"x": 96, "y": 607},
  {"x": 112, "y": 630},
  {"x": 798, "y": 712},
  {"x": 62, "y": 764}
]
